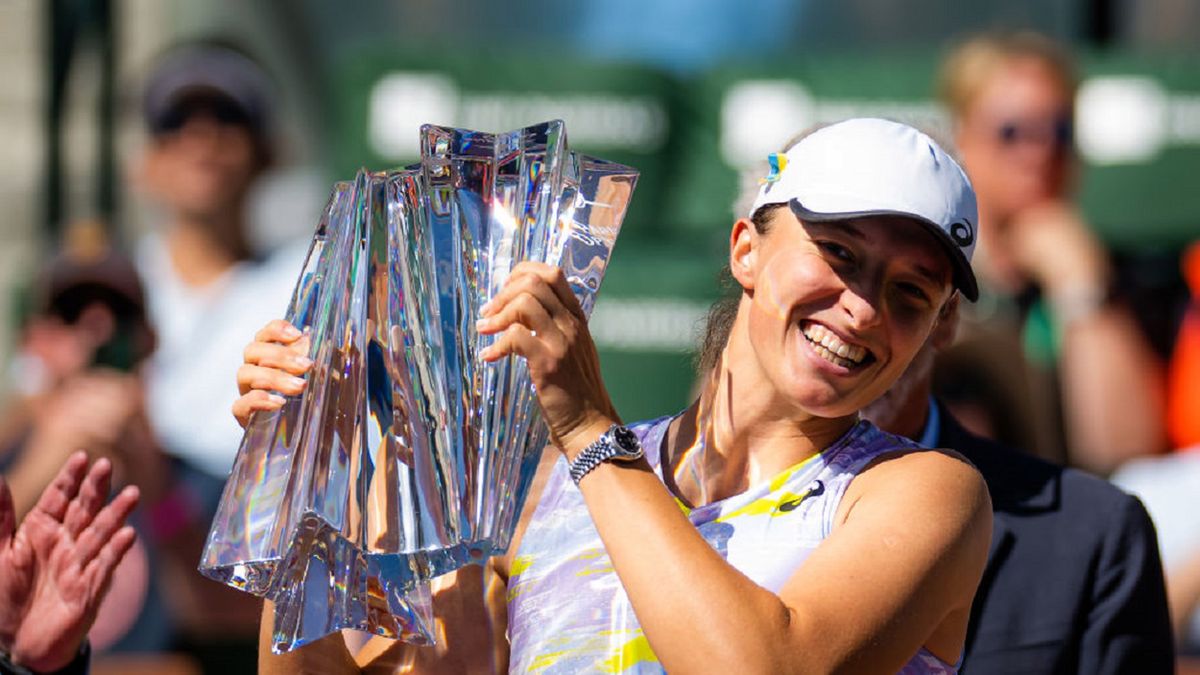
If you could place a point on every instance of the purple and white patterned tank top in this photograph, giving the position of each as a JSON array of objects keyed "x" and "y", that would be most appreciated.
[{"x": 567, "y": 610}]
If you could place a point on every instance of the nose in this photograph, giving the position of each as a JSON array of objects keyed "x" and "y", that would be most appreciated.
[{"x": 861, "y": 305}]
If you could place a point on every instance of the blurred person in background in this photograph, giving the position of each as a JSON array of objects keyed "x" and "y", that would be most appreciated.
[
  {"x": 208, "y": 111},
  {"x": 83, "y": 338},
  {"x": 83, "y": 333},
  {"x": 1050, "y": 298},
  {"x": 1168, "y": 484}
]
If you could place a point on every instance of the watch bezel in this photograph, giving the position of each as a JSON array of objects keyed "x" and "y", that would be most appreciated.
[
  {"x": 626, "y": 442},
  {"x": 617, "y": 444}
]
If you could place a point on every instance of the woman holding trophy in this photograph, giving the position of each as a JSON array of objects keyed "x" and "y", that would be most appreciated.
[{"x": 766, "y": 528}]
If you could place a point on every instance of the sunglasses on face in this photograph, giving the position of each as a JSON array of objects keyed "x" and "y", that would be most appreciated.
[
  {"x": 1059, "y": 132},
  {"x": 221, "y": 110}
]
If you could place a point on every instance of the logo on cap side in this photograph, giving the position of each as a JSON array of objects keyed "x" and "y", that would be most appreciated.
[
  {"x": 962, "y": 233},
  {"x": 778, "y": 162}
]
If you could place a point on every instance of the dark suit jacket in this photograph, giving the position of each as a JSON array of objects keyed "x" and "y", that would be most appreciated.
[{"x": 1073, "y": 582}]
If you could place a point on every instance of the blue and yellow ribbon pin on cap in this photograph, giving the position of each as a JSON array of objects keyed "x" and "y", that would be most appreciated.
[{"x": 778, "y": 162}]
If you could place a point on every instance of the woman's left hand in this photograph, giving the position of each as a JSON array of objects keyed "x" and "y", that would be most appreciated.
[{"x": 535, "y": 315}]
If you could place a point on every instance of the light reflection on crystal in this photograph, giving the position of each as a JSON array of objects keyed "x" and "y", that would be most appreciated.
[{"x": 406, "y": 457}]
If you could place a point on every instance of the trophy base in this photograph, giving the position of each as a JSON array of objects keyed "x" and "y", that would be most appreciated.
[{"x": 326, "y": 583}]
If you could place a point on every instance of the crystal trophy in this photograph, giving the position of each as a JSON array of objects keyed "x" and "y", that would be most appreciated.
[{"x": 406, "y": 457}]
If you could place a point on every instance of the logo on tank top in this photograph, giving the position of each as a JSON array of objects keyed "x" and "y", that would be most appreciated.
[{"x": 790, "y": 505}]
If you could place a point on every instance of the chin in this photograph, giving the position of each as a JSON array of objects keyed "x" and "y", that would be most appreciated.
[
  {"x": 822, "y": 401},
  {"x": 817, "y": 396}
]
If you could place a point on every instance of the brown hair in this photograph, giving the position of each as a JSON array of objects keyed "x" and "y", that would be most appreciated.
[
  {"x": 969, "y": 66},
  {"x": 719, "y": 320}
]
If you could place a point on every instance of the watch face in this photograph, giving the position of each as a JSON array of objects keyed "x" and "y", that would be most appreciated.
[{"x": 626, "y": 441}]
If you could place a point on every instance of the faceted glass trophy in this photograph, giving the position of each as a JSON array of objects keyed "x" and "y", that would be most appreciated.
[{"x": 406, "y": 457}]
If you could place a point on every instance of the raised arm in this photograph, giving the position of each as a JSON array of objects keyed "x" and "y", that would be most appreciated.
[
  {"x": 896, "y": 574},
  {"x": 1112, "y": 382}
]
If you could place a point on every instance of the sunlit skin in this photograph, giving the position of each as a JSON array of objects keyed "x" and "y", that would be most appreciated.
[
  {"x": 878, "y": 283},
  {"x": 875, "y": 282}
]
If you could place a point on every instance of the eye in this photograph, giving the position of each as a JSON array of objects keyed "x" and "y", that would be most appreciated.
[
  {"x": 914, "y": 292},
  {"x": 836, "y": 250}
]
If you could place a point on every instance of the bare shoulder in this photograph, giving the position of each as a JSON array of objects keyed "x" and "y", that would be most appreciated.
[
  {"x": 550, "y": 457},
  {"x": 939, "y": 486},
  {"x": 908, "y": 547},
  {"x": 940, "y": 467}
]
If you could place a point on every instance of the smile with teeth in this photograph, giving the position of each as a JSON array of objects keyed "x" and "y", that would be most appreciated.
[{"x": 831, "y": 348}]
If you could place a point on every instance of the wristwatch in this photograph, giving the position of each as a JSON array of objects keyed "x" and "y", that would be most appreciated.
[{"x": 618, "y": 444}]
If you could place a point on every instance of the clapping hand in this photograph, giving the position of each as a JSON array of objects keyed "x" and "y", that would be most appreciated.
[{"x": 55, "y": 567}]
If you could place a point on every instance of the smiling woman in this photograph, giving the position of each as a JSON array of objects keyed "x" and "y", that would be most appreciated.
[{"x": 766, "y": 528}]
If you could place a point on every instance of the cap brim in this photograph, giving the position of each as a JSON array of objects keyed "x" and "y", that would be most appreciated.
[{"x": 964, "y": 276}]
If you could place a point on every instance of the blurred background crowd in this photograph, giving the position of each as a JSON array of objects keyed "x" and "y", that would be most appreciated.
[{"x": 168, "y": 160}]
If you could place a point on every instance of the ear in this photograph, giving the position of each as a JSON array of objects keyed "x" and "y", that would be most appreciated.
[
  {"x": 947, "y": 323},
  {"x": 743, "y": 249}
]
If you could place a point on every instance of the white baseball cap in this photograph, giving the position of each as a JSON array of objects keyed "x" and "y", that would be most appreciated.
[{"x": 871, "y": 167}]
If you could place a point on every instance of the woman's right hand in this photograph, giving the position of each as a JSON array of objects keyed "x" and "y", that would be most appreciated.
[{"x": 273, "y": 364}]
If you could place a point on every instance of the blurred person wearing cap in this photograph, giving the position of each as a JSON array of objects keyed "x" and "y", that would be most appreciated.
[
  {"x": 210, "y": 120},
  {"x": 765, "y": 528},
  {"x": 83, "y": 334},
  {"x": 1092, "y": 385}
]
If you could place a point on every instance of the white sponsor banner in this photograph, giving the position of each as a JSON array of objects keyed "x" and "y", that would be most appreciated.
[
  {"x": 647, "y": 324},
  {"x": 400, "y": 102},
  {"x": 1119, "y": 119}
]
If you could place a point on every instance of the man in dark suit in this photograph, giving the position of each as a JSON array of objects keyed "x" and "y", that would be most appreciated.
[{"x": 1073, "y": 583}]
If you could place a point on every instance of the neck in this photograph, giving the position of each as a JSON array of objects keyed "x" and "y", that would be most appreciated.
[
  {"x": 912, "y": 417},
  {"x": 202, "y": 250},
  {"x": 740, "y": 432}
]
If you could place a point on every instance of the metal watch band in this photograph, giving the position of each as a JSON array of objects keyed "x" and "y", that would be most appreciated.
[{"x": 600, "y": 451}]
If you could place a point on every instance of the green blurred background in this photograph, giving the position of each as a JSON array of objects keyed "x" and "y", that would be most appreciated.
[{"x": 692, "y": 93}]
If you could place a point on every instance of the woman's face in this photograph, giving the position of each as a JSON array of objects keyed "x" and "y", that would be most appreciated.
[
  {"x": 838, "y": 310},
  {"x": 204, "y": 167},
  {"x": 1016, "y": 138}
]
